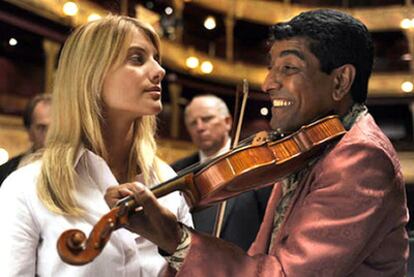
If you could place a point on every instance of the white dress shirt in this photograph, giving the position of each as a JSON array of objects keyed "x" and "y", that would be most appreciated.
[{"x": 29, "y": 232}]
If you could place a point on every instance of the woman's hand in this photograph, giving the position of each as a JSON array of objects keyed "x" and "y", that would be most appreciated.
[
  {"x": 115, "y": 193},
  {"x": 152, "y": 221}
]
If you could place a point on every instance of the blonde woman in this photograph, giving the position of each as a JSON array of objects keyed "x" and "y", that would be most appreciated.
[{"x": 106, "y": 95}]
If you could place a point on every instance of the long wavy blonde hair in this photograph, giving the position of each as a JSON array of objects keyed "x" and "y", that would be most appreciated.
[{"x": 87, "y": 56}]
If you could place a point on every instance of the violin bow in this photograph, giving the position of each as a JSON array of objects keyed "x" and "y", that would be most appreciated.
[{"x": 218, "y": 224}]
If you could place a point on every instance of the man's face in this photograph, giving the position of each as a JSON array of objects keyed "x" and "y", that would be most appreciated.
[
  {"x": 299, "y": 91},
  {"x": 207, "y": 127},
  {"x": 40, "y": 123}
]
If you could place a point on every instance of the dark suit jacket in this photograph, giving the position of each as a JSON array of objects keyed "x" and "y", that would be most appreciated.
[
  {"x": 243, "y": 215},
  {"x": 9, "y": 167}
]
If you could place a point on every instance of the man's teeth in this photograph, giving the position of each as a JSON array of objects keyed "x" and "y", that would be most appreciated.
[{"x": 281, "y": 103}]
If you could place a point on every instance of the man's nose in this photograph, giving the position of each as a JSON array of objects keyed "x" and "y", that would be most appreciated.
[
  {"x": 200, "y": 125},
  {"x": 271, "y": 82}
]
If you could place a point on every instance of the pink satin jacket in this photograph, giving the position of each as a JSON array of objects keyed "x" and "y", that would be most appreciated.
[{"x": 347, "y": 218}]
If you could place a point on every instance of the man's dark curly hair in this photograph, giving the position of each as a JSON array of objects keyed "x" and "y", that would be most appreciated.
[{"x": 335, "y": 38}]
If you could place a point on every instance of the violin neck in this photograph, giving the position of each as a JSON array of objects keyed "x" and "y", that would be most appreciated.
[{"x": 183, "y": 183}]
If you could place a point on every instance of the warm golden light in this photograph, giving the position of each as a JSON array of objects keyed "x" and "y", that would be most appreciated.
[
  {"x": 94, "y": 16},
  {"x": 206, "y": 67},
  {"x": 70, "y": 8},
  {"x": 210, "y": 23},
  {"x": 192, "y": 62},
  {"x": 407, "y": 86},
  {"x": 405, "y": 23}
]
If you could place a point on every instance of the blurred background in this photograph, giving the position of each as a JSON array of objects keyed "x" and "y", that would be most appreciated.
[{"x": 208, "y": 46}]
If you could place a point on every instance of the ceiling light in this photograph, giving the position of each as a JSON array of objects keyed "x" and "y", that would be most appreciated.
[
  {"x": 70, "y": 8},
  {"x": 210, "y": 23},
  {"x": 407, "y": 86},
  {"x": 206, "y": 67},
  {"x": 405, "y": 23},
  {"x": 192, "y": 62},
  {"x": 12, "y": 42},
  {"x": 94, "y": 16},
  {"x": 168, "y": 10}
]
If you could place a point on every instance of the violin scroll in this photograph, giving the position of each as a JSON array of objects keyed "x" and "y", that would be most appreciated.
[
  {"x": 76, "y": 249},
  {"x": 70, "y": 246},
  {"x": 75, "y": 240}
]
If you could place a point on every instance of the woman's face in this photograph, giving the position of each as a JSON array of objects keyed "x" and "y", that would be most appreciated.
[{"x": 133, "y": 89}]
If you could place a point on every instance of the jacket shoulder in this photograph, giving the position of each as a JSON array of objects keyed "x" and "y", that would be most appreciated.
[{"x": 185, "y": 162}]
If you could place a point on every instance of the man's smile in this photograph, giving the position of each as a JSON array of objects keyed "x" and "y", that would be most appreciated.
[{"x": 281, "y": 103}]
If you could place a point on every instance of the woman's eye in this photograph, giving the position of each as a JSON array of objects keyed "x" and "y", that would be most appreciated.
[{"x": 136, "y": 59}]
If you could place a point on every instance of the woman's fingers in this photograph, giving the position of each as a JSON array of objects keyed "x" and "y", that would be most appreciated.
[
  {"x": 155, "y": 222},
  {"x": 145, "y": 198},
  {"x": 115, "y": 193},
  {"x": 151, "y": 220}
]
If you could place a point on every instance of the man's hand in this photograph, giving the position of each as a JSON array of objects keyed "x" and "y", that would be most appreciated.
[{"x": 151, "y": 220}]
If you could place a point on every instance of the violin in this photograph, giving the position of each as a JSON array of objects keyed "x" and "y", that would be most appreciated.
[{"x": 266, "y": 159}]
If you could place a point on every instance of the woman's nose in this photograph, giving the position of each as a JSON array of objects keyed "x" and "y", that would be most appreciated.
[{"x": 158, "y": 73}]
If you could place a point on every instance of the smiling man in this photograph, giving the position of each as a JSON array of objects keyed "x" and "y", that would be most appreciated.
[
  {"x": 344, "y": 213},
  {"x": 299, "y": 91}
]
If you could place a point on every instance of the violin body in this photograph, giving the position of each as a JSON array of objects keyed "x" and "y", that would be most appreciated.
[
  {"x": 264, "y": 162},
  {"x": 254, "y": 166}
]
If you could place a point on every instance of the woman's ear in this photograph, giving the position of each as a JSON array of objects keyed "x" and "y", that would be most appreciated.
[{"x": 343, "y": 80}]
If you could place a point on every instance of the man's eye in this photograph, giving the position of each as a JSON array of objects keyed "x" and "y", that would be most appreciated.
[
  {"x": 288, "y": 69},
  {"x": 207, "y": 119}
]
